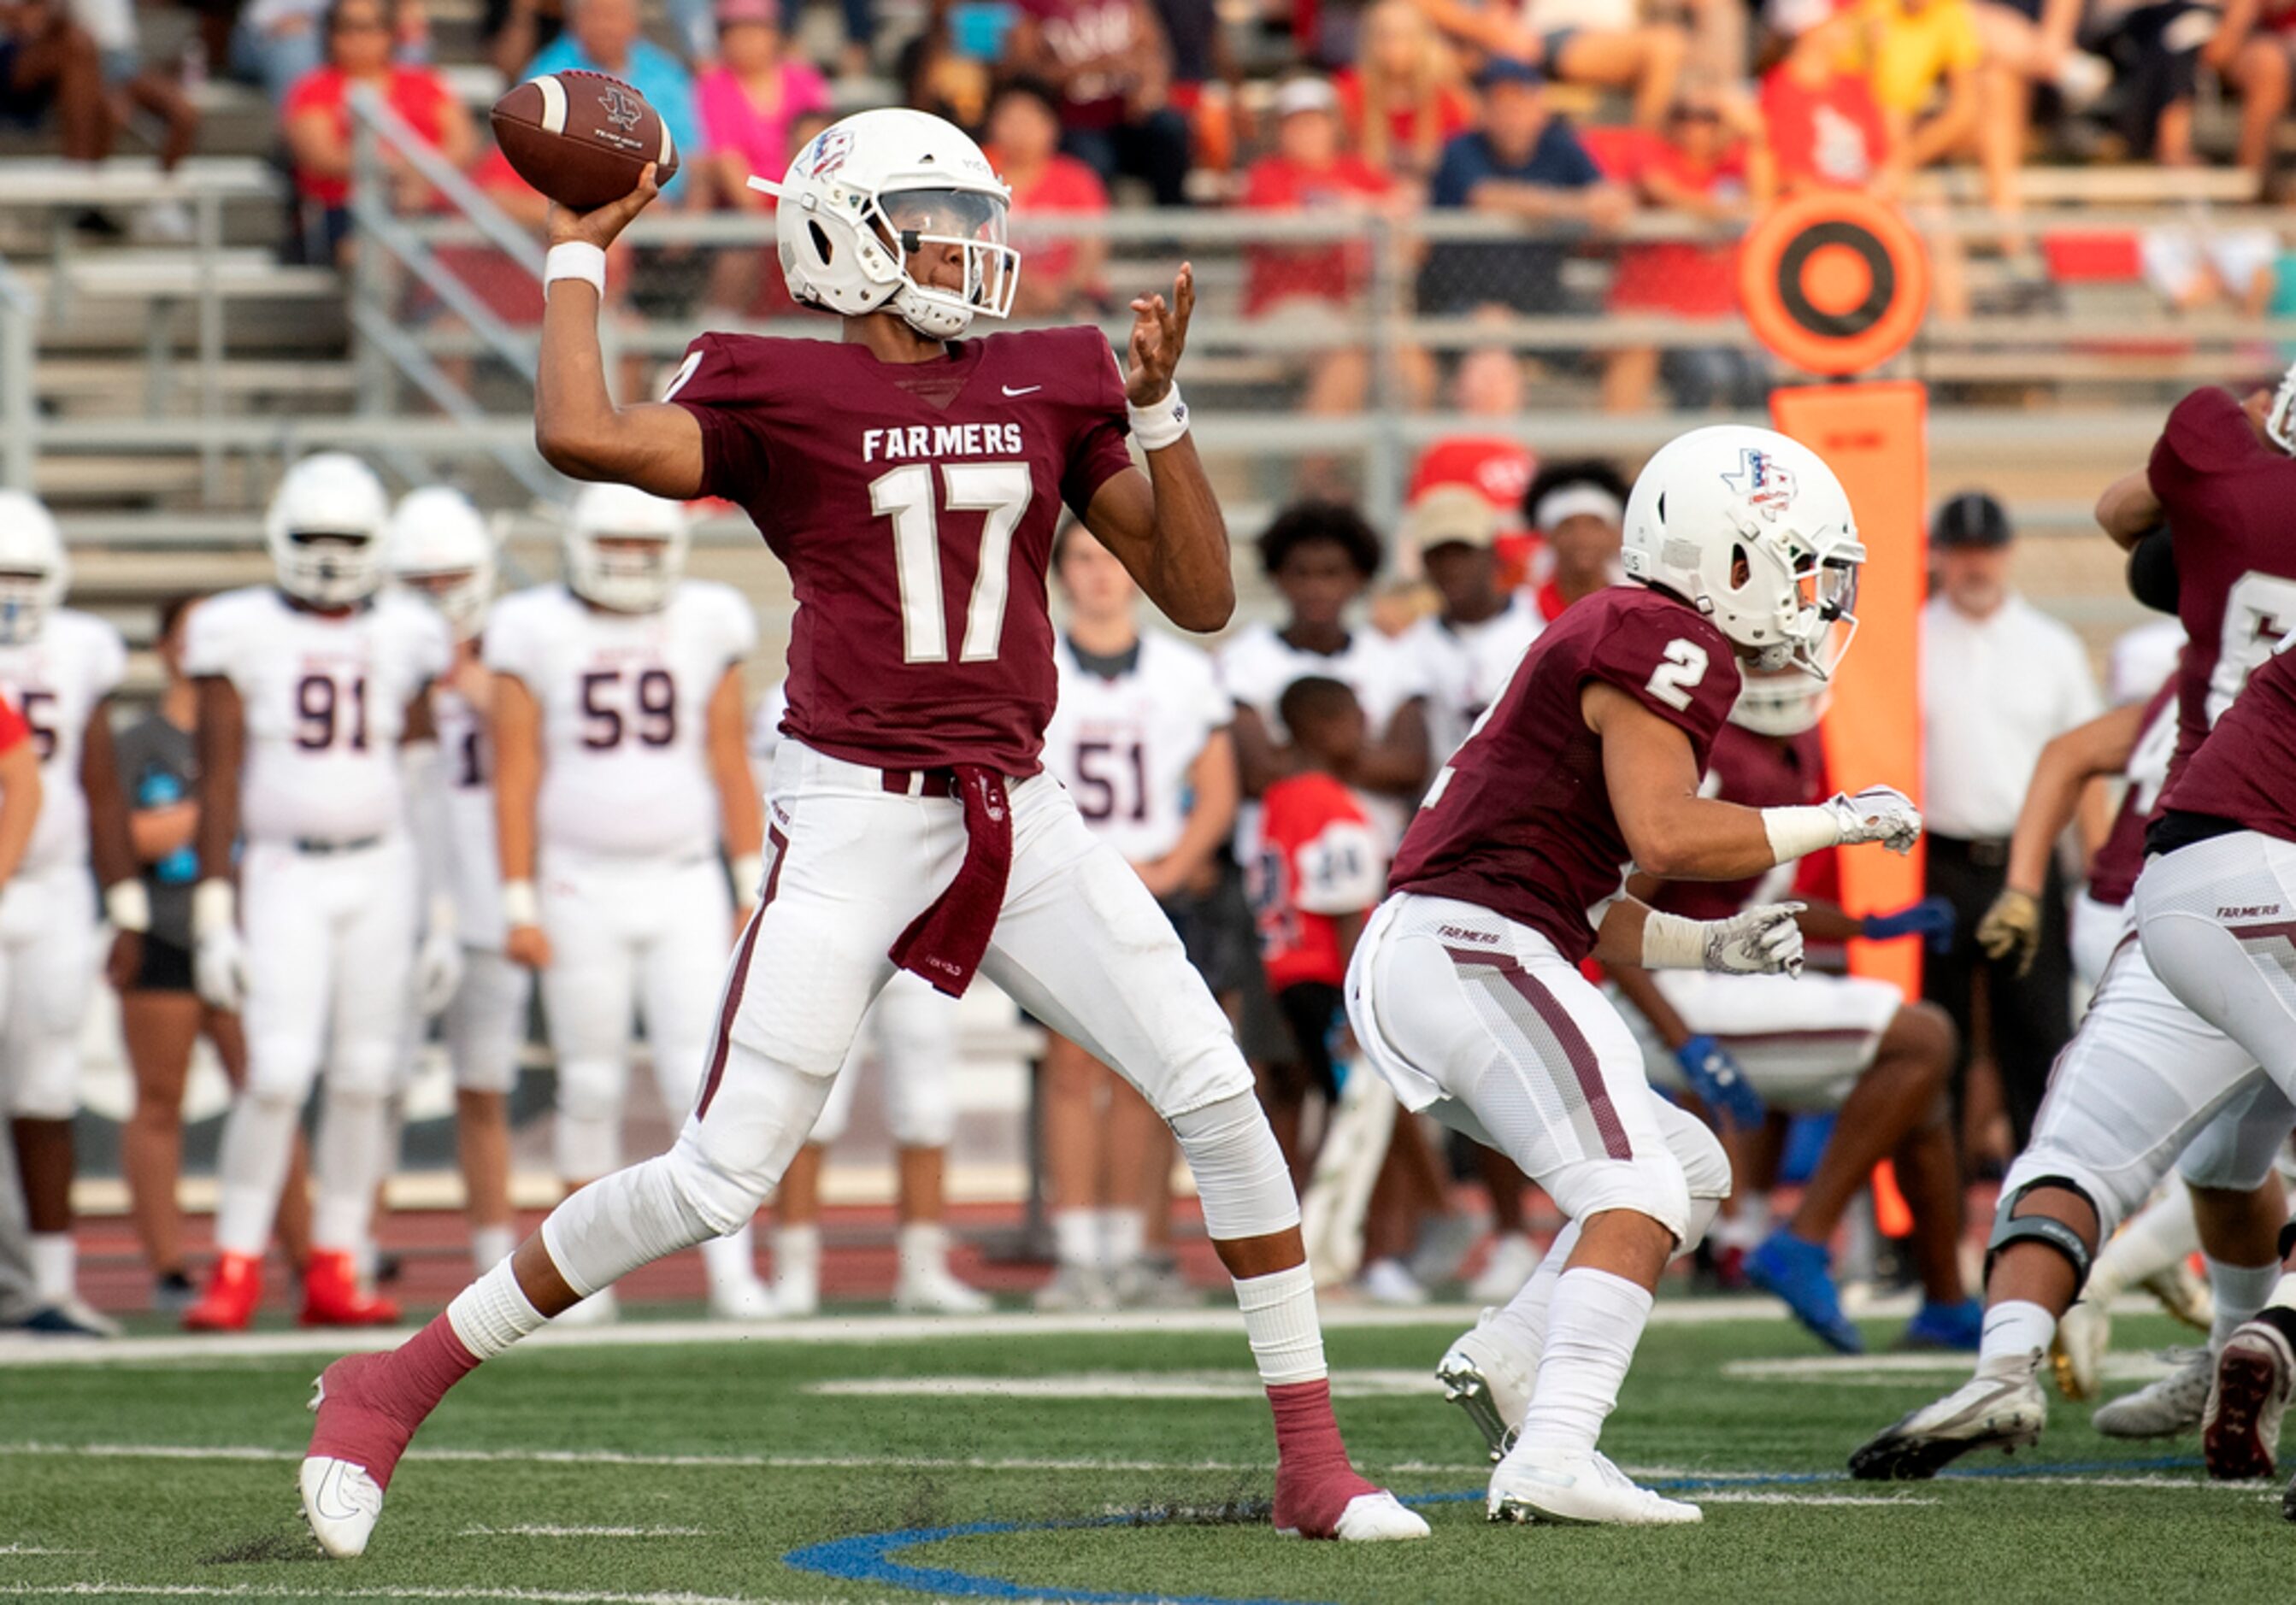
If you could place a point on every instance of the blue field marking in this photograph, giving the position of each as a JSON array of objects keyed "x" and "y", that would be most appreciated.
[{"x": 868, "y": 1557}]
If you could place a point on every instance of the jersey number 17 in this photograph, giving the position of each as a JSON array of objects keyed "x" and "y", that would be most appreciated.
[{"x": 1002, "y": 490}]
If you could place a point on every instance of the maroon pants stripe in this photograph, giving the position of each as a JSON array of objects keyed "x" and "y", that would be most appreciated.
[
  {"x": 740, "y": 976},
  {"x": 1586, "y": 1070}
]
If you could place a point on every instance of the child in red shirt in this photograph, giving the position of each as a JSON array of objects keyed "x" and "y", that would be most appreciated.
[{"x": 1320, "y": 870}]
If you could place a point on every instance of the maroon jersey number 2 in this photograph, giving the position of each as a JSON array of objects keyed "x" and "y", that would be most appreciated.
[{"x": 1001, "y": 491}]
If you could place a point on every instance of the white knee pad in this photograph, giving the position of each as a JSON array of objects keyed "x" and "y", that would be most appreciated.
[
  {"x": 46, "y": 1082},
  {"x": 2237, "y": 1149},
  {"x": 728, "y": 1160},
  {"x": 366, "y": 1067},
  {"x": 278, "y": 1068},
  {"x": 1705, "y": 1170},
  {"x": 621, "y": 1222},
  {"x": 1650, "y": 1184},
  {"x": 590, "y": 1096},
  {"x": 1241, "y": 1176}
]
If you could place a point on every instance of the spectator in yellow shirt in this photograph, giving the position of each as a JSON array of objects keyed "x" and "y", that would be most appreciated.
[{"x": 1942, "y": 95}]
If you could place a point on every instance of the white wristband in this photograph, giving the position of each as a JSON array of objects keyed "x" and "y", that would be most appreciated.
[
  {"x": 748, "y": 876},
  {"x": 1160, "y": 424},
  {"x": 575, "y": 260},
  {"x": 1798, "y": 833},
  {"x": 1672, "y": 942},
  {"x": 128, "y": 906},
  {"x": 215, "y": 906},
  {"x": 521, "y": 906}
]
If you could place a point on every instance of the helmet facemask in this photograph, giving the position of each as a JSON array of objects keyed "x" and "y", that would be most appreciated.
[
  {"x": 1790, "y": 597},
  {"x": 2280, "y": 419},
  {"x": 27, "y": 597},
  {"x": 330, "y": 568},
  {"x": 1783, "y": 704},
  {"x": 914, "y": 220},
  {"x": 461, "y": 595},
  {"x": 623, "y": 573}
]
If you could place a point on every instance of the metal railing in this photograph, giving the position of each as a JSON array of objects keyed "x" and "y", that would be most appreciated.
[{"x": 19, "y": 410}]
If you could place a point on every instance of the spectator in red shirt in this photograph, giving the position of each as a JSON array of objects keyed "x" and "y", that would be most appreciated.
[
  {"x": 1109, "y": 61},
  {"x": 1065, "y": 275},
  {"x": 318, "y": 123},
  {"x": 1488, "y": 384},
  {"x": 1405, "y": 97},
  {"x": 1825, "y": 130},
  {"x": 1711, "y": 165}
]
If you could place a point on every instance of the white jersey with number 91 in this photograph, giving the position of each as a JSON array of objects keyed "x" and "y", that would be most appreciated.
[
  {"x": 625, "y": 700},
  {"x": 324, "y": 699},
  {"x": 1123, "y": 747}
]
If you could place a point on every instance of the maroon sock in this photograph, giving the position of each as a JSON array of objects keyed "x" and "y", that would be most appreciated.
[
  {"x": 1307, "y": 1437},
  {"x": 415, "y": 1376}
]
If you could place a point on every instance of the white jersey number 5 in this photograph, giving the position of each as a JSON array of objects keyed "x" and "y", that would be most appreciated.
[
  {"x": 1002, "y": 490},
  {"x": 1673, "y": 681}
]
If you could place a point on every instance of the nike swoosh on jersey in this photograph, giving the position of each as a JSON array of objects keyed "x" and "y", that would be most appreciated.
[{"x": 1025, "y": 389}]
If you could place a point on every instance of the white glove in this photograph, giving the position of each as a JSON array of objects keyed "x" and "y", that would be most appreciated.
[
  {"x": 1764, "y": 940},
  {"x": 218, "y": 955},
  {"x": 1882, "y": 813},
  {"x": 437, "y": 971}
]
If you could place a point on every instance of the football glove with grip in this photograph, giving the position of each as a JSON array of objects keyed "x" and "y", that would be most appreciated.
[
  {"x": 1764, "y": 940},
  {"x": 1882, "y": 813},
  {"x": 218, "y": 954},
  {"x": 1720, "y": 1082},
  {"x": 437, "y": 971},
  {"x": 2012, "y": 930}
]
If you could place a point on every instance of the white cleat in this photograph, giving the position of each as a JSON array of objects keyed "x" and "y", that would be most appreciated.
[
  {"x": 1514, "y": 1258},
  {"x": 2169, "y": 1407},
  {"x": 601, "y": 1308},
  {"x": 1076, "y": 1288},
  {"x": 2077, "y": 1352},
  {"x": 342, "y": 1504},
  {"x": 937, "y": 1292},
  {"x": 743, "y": 1299},
  {"x": 1491, "y": 1379},
  {"x": 2184, "y": 1294},
  {"x": 1379, "y": 1518},
  {"x": 1578, "y": 1487},
  {"x": 1390, "y": 1281},
  {"x": 797, "y": 1295},
  {"x": 1997, "y": 1412}
]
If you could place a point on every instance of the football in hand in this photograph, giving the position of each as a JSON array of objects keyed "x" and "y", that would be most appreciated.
[{"x": 582, "y": 138}]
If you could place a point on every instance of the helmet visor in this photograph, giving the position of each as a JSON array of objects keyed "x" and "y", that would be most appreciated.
[{"x": 937, "y": 230}]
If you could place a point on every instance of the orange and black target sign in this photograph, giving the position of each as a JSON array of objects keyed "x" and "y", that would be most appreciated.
[{"x": 1833, "y": 282}]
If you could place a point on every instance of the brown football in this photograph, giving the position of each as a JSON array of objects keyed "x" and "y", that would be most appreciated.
[{"x": 582, "y": 138}]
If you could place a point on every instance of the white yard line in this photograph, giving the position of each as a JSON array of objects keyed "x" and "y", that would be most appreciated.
[
  {"x": 1894, "y": 1371},
  {"x": 281, "y": 1591},
  {"x": 1359, "y": 1384},
  {"x": 1755, "y": 1496},
  {"x": 541, "y": 1530},
  {"x": 614, "y": 1457}
]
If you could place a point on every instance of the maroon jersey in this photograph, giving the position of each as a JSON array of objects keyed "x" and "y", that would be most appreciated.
[
  {"x": 1754, "y": 772},
  {"x": 2121, "y": 859},
  {"x": 2246, "y": 770},
  {"x": 2226, "y": 495},
  {"x": 1520, "y": 822},
  {"x": 914, "y": 506}
]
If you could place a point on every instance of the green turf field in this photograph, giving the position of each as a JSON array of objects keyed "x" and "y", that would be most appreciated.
[{"x": 778, "y": 1470}]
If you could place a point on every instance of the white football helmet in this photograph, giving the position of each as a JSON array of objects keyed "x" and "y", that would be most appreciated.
[
  {"x": 1753, "y": 530},
  {"x": 866, "y": 193},
  {"x": 34, "y": 571},
  {"x": 440, "y": 545},
  {"x": 2280, "y": 421},
  {"x": 325, "y": 528},
  {"x": 1782, "y": 704},
  {"x": 625, "y": 577}
]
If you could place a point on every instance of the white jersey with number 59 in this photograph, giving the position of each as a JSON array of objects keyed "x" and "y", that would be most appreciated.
[
  {"x": 1123, "y": 745},
  {"x": 625, "y": 699},
  {"x": 58, "y": 680},
  {"x": 324, "y": 699}
]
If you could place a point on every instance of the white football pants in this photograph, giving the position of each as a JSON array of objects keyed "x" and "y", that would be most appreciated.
[
  {"x": 2218, "y": 919},
  {"x": 914, "y": 1029},
  {"x": 48, "y": 945}
]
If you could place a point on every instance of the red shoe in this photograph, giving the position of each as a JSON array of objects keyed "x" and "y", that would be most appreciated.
[
  {"x": 234, "y": 1288},
  {"x": 332, "y": 1295}
]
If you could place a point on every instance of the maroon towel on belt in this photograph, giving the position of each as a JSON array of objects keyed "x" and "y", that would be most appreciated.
[{"x": 945, "y": 944}]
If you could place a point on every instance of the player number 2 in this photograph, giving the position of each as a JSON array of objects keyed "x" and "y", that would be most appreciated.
[
  {"x": 1673, "y": 681},
  {"x": 1002, "y": 490}
]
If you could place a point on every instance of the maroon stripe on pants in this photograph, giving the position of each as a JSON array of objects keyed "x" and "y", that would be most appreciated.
[
  {"x": 740, "y": 976},
  {"x": 1584, "y": 1065}
]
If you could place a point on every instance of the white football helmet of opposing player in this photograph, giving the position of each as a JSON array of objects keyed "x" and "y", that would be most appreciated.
[
  {"x": 34, "y": 571},
  {"x": 324, "y": 529},
  {"x": 1782, "y": 704},
  {"x": 624, "y": 550},
  {"x": 439, "y": 544},
  {"x": 861, "y": 198},
  {"x": 2280, "y": 419},
  {"x": 1753, "y": 530}
]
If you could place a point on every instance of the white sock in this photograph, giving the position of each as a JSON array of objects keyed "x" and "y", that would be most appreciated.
[
  {"x": 796, "y": 1255},
  {"x": 491, "y": 1245},
  {"x": 2240, "y": 1292},
  {"x": 921, "y": 1247},
  {"x": 1523, "y": 1320},
  {"x": 1075, "y": 1236},
  {"x": 730, "y": 1261},
  {"x": 52, "y": 1265},
  {"x": 259, "y": 1138},
  {"x": 493, "y": 1313},
  {"x": 349, "y": 1160},
  {"x": 2160, "y": 1235},
  {"x": 1594, "y": 1322},
  {"x": 1123, "y": 1236},
  {"x": 2015, "y": 1336},
  {"x": 1281, "y": 1324}
]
